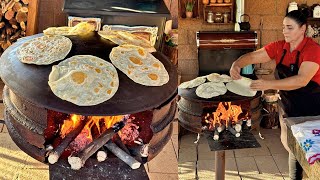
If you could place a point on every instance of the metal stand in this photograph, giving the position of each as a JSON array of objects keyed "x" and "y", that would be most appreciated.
[{"x": 220, "y": 164}]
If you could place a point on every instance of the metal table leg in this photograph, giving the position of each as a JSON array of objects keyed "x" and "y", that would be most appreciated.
[{"x": 220, "y": 164}]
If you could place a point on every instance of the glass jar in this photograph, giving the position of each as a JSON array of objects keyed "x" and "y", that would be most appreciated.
[
  {"x": 225, "y": 17},
  {"x": 219, "y": 1},
  {"x": 213, "y": 1},
  {"x": 218, "y": 18},
  {"x": 227, "y": 1},
  {"x": 210, "y": 17}
]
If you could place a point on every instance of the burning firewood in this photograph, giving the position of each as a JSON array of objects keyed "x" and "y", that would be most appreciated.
[
  {"x": 249, "y": 122},
  {"x": 133, "y": 163},
  {"x": 55, "y": 154},
  {"x": 78, "y": 161},
  {"x": 102, "y": 155},
  {"x": 233, "y": 131},
  {"x": 221, "y": 128},
  {"x": 216, "y": 135},
  {"x": 238, "y": 126}
]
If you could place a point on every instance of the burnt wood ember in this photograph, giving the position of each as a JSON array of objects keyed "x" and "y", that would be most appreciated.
[
  {"x": 78, "y": 161},
  {"x": 55, "y": 154}
]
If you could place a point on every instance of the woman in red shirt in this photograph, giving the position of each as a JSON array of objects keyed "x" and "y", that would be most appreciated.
[{"x": 298, "y": 59}]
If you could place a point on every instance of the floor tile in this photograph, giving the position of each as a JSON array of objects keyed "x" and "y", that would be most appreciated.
[
  {"x": 187, "y": 170},
  {"x": 188, "y": 140},
  {"x": 166, "y": 159},
  {"x": 187, "y": 154},
  {"x": 247, "y": 165},
  {"x": 267, "y": 165}
]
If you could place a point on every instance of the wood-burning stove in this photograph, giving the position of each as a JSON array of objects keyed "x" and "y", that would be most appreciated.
[
  {"x": 28, "y": 101},
  {"x": 216, "y": 53}
]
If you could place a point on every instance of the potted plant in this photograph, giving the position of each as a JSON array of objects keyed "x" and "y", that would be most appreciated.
[{"x": 189, "y": 8}]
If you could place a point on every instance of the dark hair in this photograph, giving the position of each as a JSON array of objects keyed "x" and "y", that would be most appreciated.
[{"x": 298, "y": 16}]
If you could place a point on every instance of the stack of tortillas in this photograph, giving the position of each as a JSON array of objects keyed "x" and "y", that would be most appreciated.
[
  {"x": 44, "y": 50},
  {"x": 215, "y": 77},
  {"x": 241, "y": 87},
  {"x": 79, "y": 29},
  {"x": 193, "y": 83},
  {"x": 84, "y": 80},
  {"x": 139, "y": 65},
  {"x": 211, "y": 89},
  {"x": 124, "y": 37}
]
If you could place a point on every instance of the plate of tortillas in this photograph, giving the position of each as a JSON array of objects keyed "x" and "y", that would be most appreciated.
[
  {"x": 81, "y": 28},
  {"x": 124, "y": 37},
  {"x": 84, "y": 80},
  {"x": 241, "y": 87},
  {"x": 213, "y": 85}
]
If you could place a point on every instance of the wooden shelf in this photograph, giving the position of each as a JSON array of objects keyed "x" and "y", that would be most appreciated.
[
  {"x": 220, "y": 4},
  {"x": 222, "y": 8},
  {"x": 229, "y": 23}
]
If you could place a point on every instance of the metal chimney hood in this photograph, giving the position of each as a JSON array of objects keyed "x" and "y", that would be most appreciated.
[{"x": 123, "y": 12}]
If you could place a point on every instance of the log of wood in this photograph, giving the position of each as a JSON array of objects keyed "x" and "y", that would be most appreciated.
[
  {"x": 78, "y": 161},
  {"x": 9, "y": 31},
  {"x": 102, "y": 155},
  {"x": 55, "y": 154},
  {"x": 3, "y": 34},
  {"x": 14, "y": 23},
  {"x": 15, "y": 36},
  {"x": 2, "y": 24},
  {"x": 21, "y": 16},
  {"x": 8, "y": 6},
  {"x": 133, "y": 163},
  {"x": 17, "y": 6},
  {"x": 25, "y": 1},
  {"x": 23, "y": 26},
  {"x": 24, "y": 9},
  {"x": 9, "y": 14}
]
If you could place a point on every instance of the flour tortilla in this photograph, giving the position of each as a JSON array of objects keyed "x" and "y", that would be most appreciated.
[
  {"x": 44, "y": 50},
  {"x": 84, "y": 80},
  {"x": 211, "y": 89},
  {"x": 82, "y": 28},
  {"x": 139, "y": 65},
  {"x": 193, "y": 83},
  {"x": 241, "y": 87},
  {"x": 215, "y": 77},
  {"x": 124, "y": 37}
]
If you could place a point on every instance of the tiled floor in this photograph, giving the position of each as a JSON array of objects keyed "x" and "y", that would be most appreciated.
[
  {"x": 17, "y": 165},
  {"x": 196, "y": 161}
]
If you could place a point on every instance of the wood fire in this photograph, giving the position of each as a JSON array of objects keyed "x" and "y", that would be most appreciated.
[
  {"x": 79, "y": 137},
  {"x": 227, "y": 116}
]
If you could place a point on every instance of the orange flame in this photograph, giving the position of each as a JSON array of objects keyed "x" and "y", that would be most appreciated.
[
  {"x": 100, "y": 122},
  {"x": 224, "y": 113},
  {"x": 69, "y": 124}
]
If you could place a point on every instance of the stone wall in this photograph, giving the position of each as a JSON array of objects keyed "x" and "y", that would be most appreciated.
[{"x": 268, "y": 13}]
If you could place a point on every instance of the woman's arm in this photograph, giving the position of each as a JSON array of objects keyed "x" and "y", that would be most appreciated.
[
  {"x": 306, "y": 71},
  {"x": 259, "y": 56}
]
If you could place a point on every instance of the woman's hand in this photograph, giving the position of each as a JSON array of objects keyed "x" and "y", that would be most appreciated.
[
  {"x": 260, "y": 85},
  {"x": 235, "y": 71}
]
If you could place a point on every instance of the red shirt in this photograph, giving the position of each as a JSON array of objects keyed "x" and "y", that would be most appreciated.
[{"x": 309, "y": 51}]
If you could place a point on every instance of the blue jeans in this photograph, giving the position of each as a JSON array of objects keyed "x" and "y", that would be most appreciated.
[{"x": 295, "y": 170}]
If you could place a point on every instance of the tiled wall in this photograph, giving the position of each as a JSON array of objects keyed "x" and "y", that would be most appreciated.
[{"x": 268, "y": 12}]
